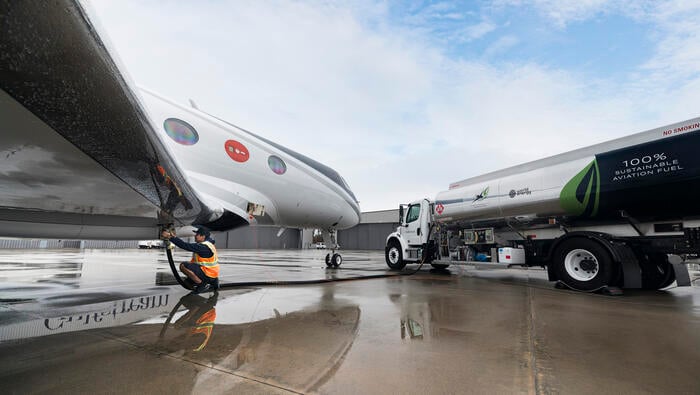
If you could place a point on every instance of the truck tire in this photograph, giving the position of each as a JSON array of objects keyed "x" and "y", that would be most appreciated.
[
  {"x": 657, "y": 272},
  {"x": 394, "y": 255},
  {"x": 583, "y": 264}
]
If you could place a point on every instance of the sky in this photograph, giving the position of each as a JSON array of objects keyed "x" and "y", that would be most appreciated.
[{"x": 403, "y": 98}]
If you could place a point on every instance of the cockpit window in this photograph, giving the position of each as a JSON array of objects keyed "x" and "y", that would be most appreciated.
[{"x": 181, "y": 131}]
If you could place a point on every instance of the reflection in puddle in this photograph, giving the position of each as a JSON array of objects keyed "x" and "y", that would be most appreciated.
[
  {"x": 199, "y": 319},
  {"x": 86, "y": 317},
  {"x": 432, "y": 318},
  {"x": 412, "y": 328},
  {"x": 294, "y": 345},
  {"x": 300, "y": 349}
]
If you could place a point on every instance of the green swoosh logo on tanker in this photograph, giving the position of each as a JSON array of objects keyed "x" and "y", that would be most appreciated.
[
  {"x": 482, "y": 195},
  {"x": 581, "y": 195}
]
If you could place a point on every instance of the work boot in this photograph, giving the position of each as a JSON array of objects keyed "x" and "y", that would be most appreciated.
[{"x": 202, "y": 287}]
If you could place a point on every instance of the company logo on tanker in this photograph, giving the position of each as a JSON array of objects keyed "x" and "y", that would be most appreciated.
[
  {"x": 524, "y": 191},
  {"x": 482, "y": 195},
  {"x": 581, "y": 195}
]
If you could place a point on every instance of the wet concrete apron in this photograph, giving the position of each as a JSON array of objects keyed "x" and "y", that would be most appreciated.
[{"x": 102, "y": 321}]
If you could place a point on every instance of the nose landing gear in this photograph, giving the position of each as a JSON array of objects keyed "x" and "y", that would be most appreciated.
[{"x": 333, "y": 259}]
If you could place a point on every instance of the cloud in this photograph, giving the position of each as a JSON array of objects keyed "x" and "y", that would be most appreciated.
[
  {"x": 678, "y": 50},
  {"x": 501, "y": 45},
  {"x": 473, "y": 32},
  {"x": 564, "y": 12}
]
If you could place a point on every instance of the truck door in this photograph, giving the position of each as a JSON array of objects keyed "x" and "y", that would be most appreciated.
[
  {"x": 413, "y": 222},
  {"x": 417, "y": 218}
]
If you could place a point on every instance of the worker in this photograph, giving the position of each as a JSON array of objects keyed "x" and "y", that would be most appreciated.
[{"x": 203, "y": 269}]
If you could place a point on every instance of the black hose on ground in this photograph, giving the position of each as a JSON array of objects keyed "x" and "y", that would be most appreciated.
[{"x": 277, "y": 283}]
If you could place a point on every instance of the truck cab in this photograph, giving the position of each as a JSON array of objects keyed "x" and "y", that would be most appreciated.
[{"x": 410, "y": 241}]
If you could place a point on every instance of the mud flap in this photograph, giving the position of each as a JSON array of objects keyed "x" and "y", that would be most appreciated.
[
  {"x": 682, "y": 275},
  {"x": 631, "y": 271}
]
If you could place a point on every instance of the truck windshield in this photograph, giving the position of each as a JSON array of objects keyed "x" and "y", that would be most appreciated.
[{"x": 413, "y": 213}]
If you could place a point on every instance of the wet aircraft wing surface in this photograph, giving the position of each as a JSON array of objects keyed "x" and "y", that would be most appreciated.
[{"x": 103, "y": 321}]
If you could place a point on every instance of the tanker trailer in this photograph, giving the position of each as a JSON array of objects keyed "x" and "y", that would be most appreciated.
[{"x": 623, "y": 213}]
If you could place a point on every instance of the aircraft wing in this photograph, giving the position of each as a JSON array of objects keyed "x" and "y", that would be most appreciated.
[{"x": 79, "y": 157}]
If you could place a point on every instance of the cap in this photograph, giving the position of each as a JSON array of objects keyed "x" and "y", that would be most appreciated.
[{"x": 202, "y": 230}]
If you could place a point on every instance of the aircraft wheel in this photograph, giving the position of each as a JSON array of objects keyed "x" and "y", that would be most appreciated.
[
  {"x": 583, "y": 264},
  {"x": 439, "y": 266},
  {"x": 657, "y": 272},
  {"x": 328, "y": 260},
  {"x": 394, "y": 256},
  {"x": 336, "y": 260}
]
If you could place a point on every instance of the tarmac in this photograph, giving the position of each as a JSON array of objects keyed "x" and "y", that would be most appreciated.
[{"x": 111, "y": 321}]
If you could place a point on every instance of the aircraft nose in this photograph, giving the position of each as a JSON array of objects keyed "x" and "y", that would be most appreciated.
[{"x": 351, "y": 216}]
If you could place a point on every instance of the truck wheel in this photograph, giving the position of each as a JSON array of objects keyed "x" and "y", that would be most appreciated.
[
  {"x": 394, "y": 256},
  {"x": 439, "y": 266},
  {"x": 583, "y": 264},
  {"x": 657, "y": 272}
]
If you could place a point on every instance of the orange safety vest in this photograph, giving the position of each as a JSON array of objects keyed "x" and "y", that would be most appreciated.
[
  {"x": 204, "y": 325},
  {"x": 210, "y": 266}
]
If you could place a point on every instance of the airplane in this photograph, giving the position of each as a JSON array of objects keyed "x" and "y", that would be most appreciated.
[{"x": 86, "y": 154}]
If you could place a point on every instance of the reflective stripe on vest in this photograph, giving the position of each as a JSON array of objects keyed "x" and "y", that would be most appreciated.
[{"x": 210, "y": 266}]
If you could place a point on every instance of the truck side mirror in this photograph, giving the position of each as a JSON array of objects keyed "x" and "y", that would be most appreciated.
[{"x": 401, "y": 214}]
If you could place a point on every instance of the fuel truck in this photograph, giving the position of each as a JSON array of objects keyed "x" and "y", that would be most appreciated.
[{"x": 624, "y": 213}]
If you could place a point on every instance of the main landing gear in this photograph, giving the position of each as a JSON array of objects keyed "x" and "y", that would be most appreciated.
[{"x": 330, "y": 238}]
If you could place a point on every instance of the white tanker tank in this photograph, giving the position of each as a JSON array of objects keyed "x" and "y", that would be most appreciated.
[{"x": 623, "y": 206}]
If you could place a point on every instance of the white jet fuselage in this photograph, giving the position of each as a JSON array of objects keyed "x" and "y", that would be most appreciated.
[{"x": 232, "y": 167}]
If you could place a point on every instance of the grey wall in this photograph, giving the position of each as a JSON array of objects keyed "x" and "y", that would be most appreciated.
[
  {"x": 258, "y": 237},
  {"x": 110, "y": 244},
  {"x": 365, "y": 236}
]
